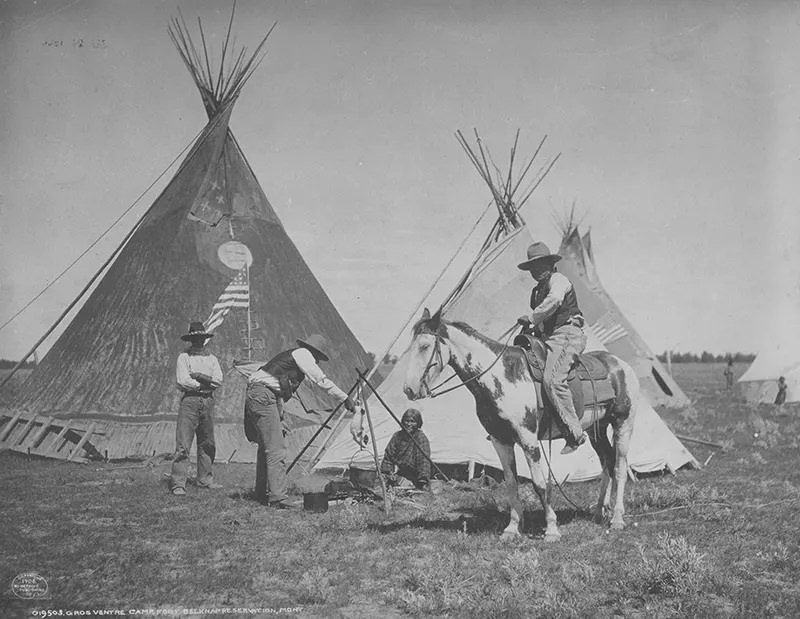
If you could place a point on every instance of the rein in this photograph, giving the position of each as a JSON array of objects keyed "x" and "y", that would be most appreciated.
[{"x": 437, "y": 352}]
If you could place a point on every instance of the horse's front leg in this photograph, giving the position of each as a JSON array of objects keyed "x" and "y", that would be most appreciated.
[
  {"x": 539, "y": 473},
  {"x": 506, "y": 454}
]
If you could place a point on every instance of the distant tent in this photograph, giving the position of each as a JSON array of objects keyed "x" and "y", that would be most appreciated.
[
  {"x": 779, "y": 357},
  {"x": 107, "y": 385},
  {"x": 490, "y": 296},
  {"x": 608, "y": 322}
]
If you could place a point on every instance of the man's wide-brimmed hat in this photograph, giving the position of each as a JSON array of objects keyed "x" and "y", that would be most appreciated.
[
  {"x": 536, "y": 252},
  {"x": 196, "y": 329},
  {"x": 316, "y": 344}
]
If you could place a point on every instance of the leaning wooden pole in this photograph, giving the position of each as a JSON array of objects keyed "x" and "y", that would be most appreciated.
[
  {"x": 386, "y": 504},
  {"x": 321, "y": 428},
  {"x": 400, "y": 423},
  {"x": 372, "y": 371},
  {"x": 72, "y": 304}
]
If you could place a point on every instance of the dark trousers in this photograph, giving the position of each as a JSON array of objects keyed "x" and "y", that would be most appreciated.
[
  {"x": 195, "y": 417},
  {"x": 263, "y": 411}
]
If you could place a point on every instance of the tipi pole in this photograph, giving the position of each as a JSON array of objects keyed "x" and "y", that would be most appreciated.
[
  {"x": 321, "y": 428},
  {"x": 399, "y": 423},
  {"x": 372, "y": 371},
  {"x": 71, "y": 305},
  {"x": 428, "y": 292},
  {"x": 386, "y": 505},
  {"x": 334, "y": 431},
  {"x": 99, "y": 271},
  {"x": 249, "y": 335}
]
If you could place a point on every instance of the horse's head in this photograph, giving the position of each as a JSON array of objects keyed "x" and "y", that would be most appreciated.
[{"x": 427, "y": 355}]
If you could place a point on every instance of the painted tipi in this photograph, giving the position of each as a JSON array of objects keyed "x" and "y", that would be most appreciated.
[
  {"x": 106, "y": 388},
  {"x": 610, "y": 325}
]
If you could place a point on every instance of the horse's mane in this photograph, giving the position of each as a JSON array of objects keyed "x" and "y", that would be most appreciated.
[
  {"x": 493, "y": 345},
  {"x": 423, "y": 326}
]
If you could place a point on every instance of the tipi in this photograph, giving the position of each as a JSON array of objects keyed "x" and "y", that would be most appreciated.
[
  {"x": 608, "y": 322},
  {"x": 106, "y": 388},
  {"x": 779, "y": 357},
  {"x": 489, "y": 297}
]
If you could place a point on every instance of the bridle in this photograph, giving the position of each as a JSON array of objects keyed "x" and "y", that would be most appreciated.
[{"x": 436, "y": 360}]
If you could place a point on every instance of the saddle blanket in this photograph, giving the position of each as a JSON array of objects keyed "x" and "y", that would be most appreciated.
[{"x": 588, "y": 379}]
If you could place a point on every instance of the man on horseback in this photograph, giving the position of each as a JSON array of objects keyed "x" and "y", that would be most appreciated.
[{"x": 558, "y": 321}]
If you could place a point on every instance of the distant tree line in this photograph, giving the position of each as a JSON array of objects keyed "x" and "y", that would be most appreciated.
[
  {"x": 7, "y": 364},
  {"x": 707, "y": 357}
]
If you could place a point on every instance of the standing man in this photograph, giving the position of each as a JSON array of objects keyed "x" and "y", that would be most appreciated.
[
  {"x": 198, "y": 374},
  {"x": 558, "y": 320},
  {"x": 268, "y": 388},
  {"x": 729, "y": 374},
  {"x": 780, "y": 398}
]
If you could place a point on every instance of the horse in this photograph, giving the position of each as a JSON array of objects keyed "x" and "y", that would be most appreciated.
[{"x": 507, "y": 405}]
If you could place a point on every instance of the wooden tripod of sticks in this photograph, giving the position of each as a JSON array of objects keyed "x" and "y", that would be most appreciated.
[
  {"x": 386, "y": 505},
  {"x": 362, "y": 378}
]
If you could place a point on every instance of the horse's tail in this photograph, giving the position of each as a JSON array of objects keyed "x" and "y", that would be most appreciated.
[{"x": 633, "y": 389}]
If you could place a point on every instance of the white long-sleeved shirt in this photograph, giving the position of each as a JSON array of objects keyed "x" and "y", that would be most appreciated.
[
  {"x": 559, "y": 287},
  {"x": 202, "y": 363},
  {"x": 308, "y": 366}
]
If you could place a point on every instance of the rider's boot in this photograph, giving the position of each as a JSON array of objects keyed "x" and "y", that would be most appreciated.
[{"x": 573, "y": 444}]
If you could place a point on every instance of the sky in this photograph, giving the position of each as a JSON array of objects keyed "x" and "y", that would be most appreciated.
[{"x": 677, "y": 124}]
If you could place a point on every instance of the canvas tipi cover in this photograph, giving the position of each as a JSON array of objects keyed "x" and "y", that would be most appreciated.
[
  {"x": 779, "y": 356},
  {"x": 609, "y": 323},
  {"x": 106, "y": 388},
  {"x": 495, "y": 294}
]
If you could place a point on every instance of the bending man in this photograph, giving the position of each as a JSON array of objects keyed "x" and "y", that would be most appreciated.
[{"x": 268, "y": 388}]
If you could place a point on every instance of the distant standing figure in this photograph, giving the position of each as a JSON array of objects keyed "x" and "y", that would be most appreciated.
[
  {"x": 198, "y": 375},
  {"x": 729, "y": 374},
  {"x": 781, "y": 397},
  {"x": 403, "y": 458}
]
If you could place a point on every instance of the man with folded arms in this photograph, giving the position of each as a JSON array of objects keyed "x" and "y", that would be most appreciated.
[{"x": 198, "y": 374}]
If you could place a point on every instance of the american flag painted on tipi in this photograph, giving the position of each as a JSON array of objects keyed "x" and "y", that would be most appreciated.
[
  {"x": 236, "y": 294},
  {"x": 607, "y": 328}
]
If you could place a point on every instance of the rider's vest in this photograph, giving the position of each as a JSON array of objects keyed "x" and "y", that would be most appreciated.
[
  {"x": 285, "y": 369},
  {"x": 563, "y": 315}
]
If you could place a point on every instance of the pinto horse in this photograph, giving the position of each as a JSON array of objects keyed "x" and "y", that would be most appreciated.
[{"x": 507, "y": 406}]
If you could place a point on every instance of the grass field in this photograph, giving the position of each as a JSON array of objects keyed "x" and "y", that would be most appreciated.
[{"x": 717, "y": 542}]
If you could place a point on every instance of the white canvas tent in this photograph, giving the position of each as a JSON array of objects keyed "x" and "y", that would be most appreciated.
[
  {"x": 780, "y": 357},
  {"x": 491, "y": 296}
]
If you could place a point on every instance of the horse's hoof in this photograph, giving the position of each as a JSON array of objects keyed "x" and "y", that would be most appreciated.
[
  {"x": 598, "y": 519},
  {"x": 552, "y": 537},
  {"x": 617, "y": 526},
  {"x": 508, "y": 536}
]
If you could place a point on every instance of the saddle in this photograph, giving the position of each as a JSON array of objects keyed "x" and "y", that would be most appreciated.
[{"x": 588, "y": 379}]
